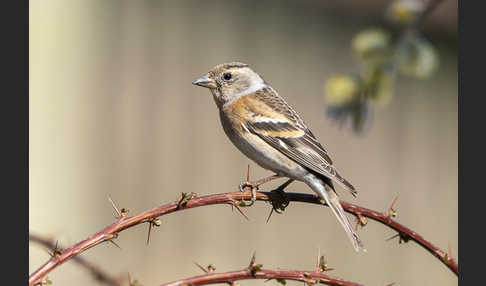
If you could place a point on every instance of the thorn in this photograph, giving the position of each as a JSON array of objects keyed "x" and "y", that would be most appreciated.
[
  {"x": 253, "y": 267},
  {"x": 390, "y": 212},
  {"x": 248, "y": 174},
  {"x": 56, "y": 252},
  {"x": 269, "y": 215},
  {"x": 148, "y": 234},
  {"x": 114, "y": 206},
  {"x": 152, "y": 222},
  {"x": 244, "y": 186},
  {"x": 200, "y": 267},
  {"x": 252, "y": 261},
  {"x": 392, "y": 237},
  {"x": 402, "y": 238},
  {"x": 206, "y": 270},
  {"x": 235, "y": 204},
  {"x": 114, "y": 243}
]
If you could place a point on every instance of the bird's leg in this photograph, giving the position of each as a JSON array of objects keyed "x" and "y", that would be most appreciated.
[{"x": 255, "y": 185}]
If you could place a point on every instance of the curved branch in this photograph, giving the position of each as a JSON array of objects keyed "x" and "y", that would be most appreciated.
[
  {"x": 97, "y": 273},
  {"x": 404, "y": 232},
  {"x": 123, "y": 222},
  {"x": 309, "y": 277}
]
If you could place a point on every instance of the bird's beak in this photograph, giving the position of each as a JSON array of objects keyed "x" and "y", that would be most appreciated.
[{"x": 205, "y": 81}]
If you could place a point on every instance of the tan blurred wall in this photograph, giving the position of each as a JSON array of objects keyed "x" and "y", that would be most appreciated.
[{"x": 113, "y": 112}]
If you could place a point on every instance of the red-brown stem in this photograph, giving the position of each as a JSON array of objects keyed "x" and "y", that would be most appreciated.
[
  {"x": 229, "y": 277},
  {"x": 97, "y": 273},
  {"x": 111, "y": 231},
  {"x": 387, "y": 221}
]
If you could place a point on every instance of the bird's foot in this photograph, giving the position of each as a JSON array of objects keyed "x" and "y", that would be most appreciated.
[
  {"x": 253, "y": 188},
  {"x": 279, "y": 198}
]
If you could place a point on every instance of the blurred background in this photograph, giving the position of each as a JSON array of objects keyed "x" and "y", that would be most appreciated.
[{"x": 113, "y": 113}]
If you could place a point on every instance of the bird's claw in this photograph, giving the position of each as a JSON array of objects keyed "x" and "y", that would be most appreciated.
[
  {"x": 253, "y": 189},
  {"x": 279, "y": 200}
]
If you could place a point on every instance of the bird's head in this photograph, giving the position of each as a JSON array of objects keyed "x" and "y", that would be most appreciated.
[{"x": 230, "y": 81}]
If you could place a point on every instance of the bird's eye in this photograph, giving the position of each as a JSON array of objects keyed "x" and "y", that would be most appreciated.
[{"x": 227, "y": 76}]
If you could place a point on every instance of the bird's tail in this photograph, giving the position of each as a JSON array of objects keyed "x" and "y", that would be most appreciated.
[{"x": 332, "y": 200}]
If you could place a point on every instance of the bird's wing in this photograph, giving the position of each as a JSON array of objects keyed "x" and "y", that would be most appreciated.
[{"x": 289, "y": 134}]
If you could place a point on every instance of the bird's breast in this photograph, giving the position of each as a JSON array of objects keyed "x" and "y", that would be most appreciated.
[{"x": 258, "y": 150}]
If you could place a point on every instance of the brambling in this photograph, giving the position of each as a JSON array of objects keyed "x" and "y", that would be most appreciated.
[{"x": 267, "y": 130}]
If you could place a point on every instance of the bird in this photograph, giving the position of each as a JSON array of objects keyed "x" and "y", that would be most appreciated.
[{"x": 265, "y": 128}]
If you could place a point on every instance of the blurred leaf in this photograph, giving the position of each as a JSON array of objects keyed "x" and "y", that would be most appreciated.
[
  {"x": 357, "y": 112},
  {"x": 359, "y": 116},
  {"x": 372, "y": 45},
  {"x": 417, "y": 58},
  {"x": 341, "y": 89},
  {"x": 383, "y": 54},
  {"x": 380, "y": 85},
  {"x": 404, "y": 11}
]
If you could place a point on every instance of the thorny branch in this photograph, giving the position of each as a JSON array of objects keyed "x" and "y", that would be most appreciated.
[
  {"x": 97, "y": 273},
  {"x": 233, "y": 198},
  {"x": 255, "y": 271},
  {"x": 309, "y": 277}
]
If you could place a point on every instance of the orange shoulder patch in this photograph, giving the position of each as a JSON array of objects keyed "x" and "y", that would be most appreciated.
[{"x": 253, "y": 107}]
